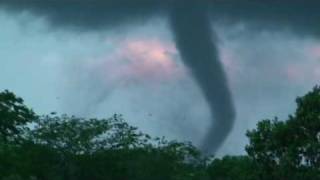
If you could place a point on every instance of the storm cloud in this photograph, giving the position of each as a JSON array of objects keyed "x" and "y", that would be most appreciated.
[{"x": 191, "y": 26}]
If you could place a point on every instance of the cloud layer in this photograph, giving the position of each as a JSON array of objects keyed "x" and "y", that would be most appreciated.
[{"x": 195, "y": 43}]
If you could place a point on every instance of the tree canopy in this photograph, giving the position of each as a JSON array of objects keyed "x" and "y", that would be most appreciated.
[
  {"x": 13, "y": 116},
  {"x": 289, "y": 149},
  {"x": 62, "y": 147}
]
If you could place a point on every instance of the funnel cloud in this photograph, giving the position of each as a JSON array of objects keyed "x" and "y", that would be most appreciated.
[{"x": 195, "y": 40}]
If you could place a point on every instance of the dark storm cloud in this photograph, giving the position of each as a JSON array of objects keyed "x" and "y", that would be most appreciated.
[
  {"x": 87, "y": 14},
  {"x": 190, "y": 24},
  {"x": 297, "y": 16}
]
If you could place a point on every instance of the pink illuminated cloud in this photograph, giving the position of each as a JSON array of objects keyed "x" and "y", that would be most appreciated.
[
  {"x": 307, "y": 68},
  {"x": 314, "y": 51},
  {"x": 150, "y": 57},
  {"x": 143, "y": 60},
  {"x": 294, "y": 73},
  {"x": 231, "y": 64}
]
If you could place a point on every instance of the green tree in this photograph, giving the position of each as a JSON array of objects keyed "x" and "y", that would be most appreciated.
[
  {"x": 232, "y": 168},
  {"x": 71, "y": 148},
  {"x": 289, "y": 149},
  {"x": 14, "y": 115},
  {"x": 109, "y": 149}
]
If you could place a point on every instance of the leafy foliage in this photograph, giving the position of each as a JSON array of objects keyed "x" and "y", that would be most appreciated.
[
  {"x": 53, "y": 147},
  {"x": 14, "y": 115},
  {"x": 68, "y": 147},
  {"x": 289, "y": 149},
  {"x": 232, "y": 167}
]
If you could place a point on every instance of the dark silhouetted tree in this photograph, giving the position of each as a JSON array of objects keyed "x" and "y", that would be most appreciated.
[
  {"x": 289, "y": 149},
  {"x": 14, "y": 115}
]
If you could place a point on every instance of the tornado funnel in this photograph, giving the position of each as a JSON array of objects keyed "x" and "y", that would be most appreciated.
[{"x": 194, "y": 39}]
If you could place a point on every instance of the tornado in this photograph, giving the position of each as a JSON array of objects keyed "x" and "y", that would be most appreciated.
[
  {"x": 195, "y": 40},
  {"x": 190, "y": 24}
]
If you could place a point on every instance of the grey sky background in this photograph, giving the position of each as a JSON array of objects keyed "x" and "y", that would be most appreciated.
[{"x": 99, "y": 73}]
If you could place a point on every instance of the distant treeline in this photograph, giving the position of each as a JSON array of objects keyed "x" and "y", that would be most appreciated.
[{"x": 61, "y": 147}]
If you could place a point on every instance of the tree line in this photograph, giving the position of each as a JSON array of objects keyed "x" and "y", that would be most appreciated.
[{"x": 62, "y": 147}]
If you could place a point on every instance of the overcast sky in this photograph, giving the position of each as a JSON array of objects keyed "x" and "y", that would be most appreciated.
[{"x": 137, "y": 72}]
